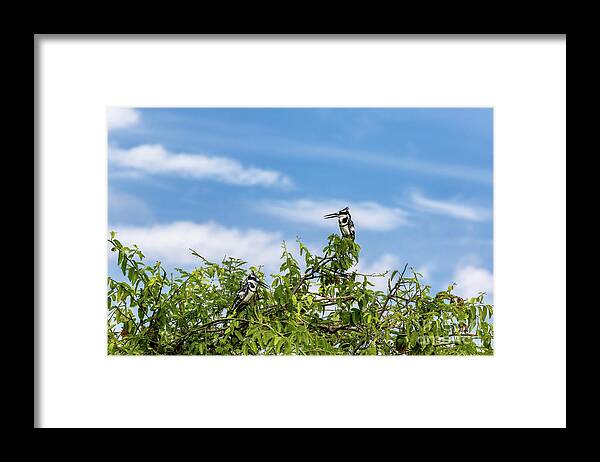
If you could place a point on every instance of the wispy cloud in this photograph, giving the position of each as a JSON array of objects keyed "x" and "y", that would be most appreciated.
[
  {"x": 154, "y": 159},
  {"x": 127, "y": 207},
  {"x": 403, "y": 160},
  {"x": 170, "y": 242},
  {"x": 121, "y": 117},
  {"x": 366, "y": 215},
  {"x": 452, "y": 209},
  {"x": 266, "y": 142}
]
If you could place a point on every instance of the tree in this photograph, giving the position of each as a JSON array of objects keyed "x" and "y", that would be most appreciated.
[{"x": 323, "y": 308}]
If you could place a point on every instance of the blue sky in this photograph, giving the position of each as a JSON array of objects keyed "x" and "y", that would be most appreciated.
[{"x": 239, "y": 181}]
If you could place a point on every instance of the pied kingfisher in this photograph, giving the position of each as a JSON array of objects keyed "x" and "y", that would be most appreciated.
[
  {"x": 247, "y": 291},
  {"x": 344, "y": 221}
]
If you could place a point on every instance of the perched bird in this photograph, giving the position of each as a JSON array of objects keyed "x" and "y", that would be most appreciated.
[
  {"x": 344, "y": 221},
  {"x": 247, "y": 291}
]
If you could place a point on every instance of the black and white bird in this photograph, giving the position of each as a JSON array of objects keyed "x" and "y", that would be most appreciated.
[
  {"x": 247, "y": 291},
  {"x": 344, "y": 221}
]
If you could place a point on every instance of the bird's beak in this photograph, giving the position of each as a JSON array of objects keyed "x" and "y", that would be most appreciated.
[
  {"x": 263, "y": 284},
  {"x": 331, "y": 215}
]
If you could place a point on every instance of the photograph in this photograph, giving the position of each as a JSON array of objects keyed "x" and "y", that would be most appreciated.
[
  {"x": 300, "y": 231},
  {"x": 246, "y": 232}
]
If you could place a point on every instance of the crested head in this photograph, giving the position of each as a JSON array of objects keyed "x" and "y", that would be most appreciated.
[{"x": 253, "y": 278}]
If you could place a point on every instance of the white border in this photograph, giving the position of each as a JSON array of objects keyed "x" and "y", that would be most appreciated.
[{"x": 524, "y": 384}]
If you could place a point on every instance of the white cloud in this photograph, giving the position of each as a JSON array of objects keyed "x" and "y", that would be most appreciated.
[
  {"x": 425, "y": 271},
  {"x": 451, "y": 209},
  {"x": 386, "y": 262},
  {"x": 366, "y": 215},
  {"x": 170, "y": 243},
  {"x": 122, "y": 117},
  {"x": 155, "y": 159},
  {"x": 470, "y": 280}
]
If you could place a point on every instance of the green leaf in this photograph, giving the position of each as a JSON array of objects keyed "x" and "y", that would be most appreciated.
[{"x": 174, "y": 306}]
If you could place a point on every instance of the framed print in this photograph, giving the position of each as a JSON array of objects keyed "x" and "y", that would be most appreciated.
[{"x": 245, "y": 230}]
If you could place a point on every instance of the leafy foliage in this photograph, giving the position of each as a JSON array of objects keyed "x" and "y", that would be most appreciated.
[{"x": 321, "y": 307}]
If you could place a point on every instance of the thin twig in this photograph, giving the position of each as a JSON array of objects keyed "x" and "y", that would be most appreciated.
[{"x": 394, "y": 290}]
